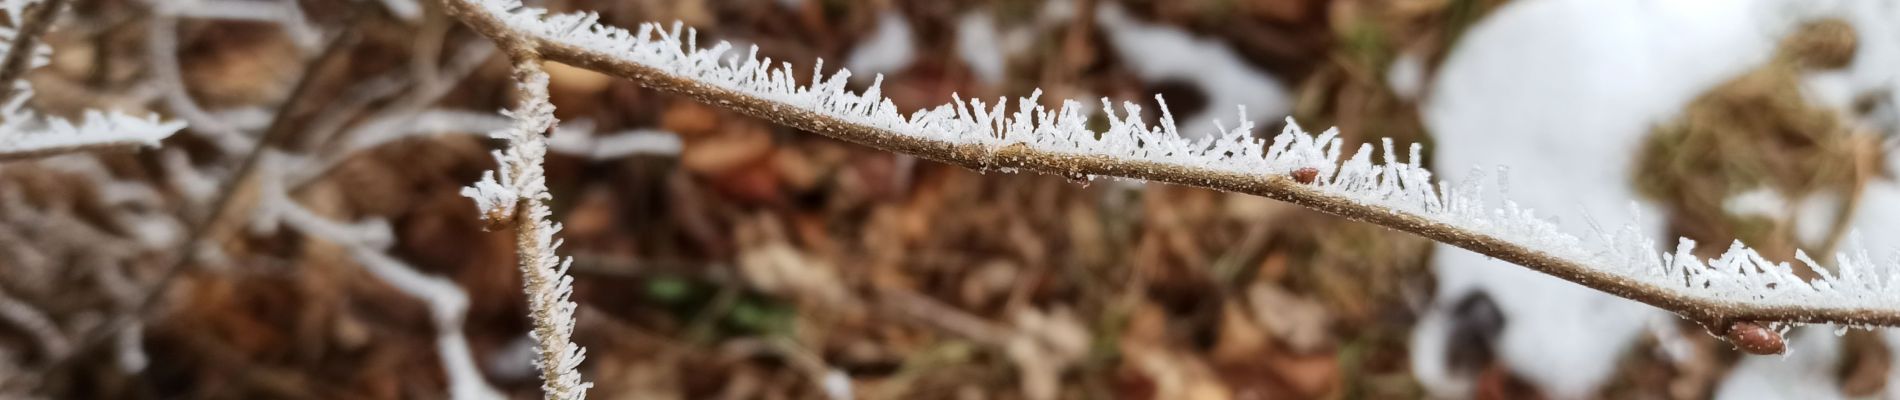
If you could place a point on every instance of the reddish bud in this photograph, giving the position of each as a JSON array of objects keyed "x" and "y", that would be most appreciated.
[
  {"x": 1305, "y": 175},
  {"x": 1755, "y": 338}
]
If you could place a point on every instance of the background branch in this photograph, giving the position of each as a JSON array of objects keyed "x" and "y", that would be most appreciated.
[{"x": 26, "y": 39}]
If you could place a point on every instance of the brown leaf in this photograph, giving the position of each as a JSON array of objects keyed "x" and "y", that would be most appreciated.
[
  {"x": 736, "y": 147},
  {"x": 1302, "y": 324},
  {"x": 1241, "y": 340}
]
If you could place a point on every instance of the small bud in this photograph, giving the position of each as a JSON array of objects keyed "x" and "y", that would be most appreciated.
[
  {"x": 1755, "y": 339},
  {"x": 1306, "y": 175}
]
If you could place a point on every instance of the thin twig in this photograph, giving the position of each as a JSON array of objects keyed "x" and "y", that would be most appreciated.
[
  {"x": 980, "y": 157},
  {"x": 544, "y": 274},
  {"x": 517, "y": 199},
  {"x": 126, "y": 146}
]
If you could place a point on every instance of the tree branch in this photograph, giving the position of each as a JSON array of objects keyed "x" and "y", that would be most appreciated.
[
  {"x": 1740, "y": 286},
  {"x": 517, "y": 198}
]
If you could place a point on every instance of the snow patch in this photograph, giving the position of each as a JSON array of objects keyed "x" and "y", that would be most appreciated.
[
  {"x": 979, "y": 46},
  {"x": 1563, "y": 91},
  {"x": 889, "y": 49}
]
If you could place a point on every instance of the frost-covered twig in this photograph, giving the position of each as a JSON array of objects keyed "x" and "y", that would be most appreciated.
[
  {"x": 515, "y": 194},
  {"x": 1741, "y": 285},
  {"x": 26, "y": 134},
  {"x": 161, "y": 47},
  {"x": 98, "y": 131}
]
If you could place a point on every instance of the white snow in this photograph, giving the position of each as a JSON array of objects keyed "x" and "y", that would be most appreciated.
[
  {"x": 1161, "y": 52},
  {"x": 837, "y": 385},
  {"x": 1876, "y": 66},
  {"x": 1406, "y": 76},
  {"x": 889, "y": 49},
  {"x": 1761, "y": 201},
  {"x": 980, "y": 46},
  {"x": 1570, "y": 87},
  {"x": 1808, "y": 373},
  {"x": 1563, "y": 91}
]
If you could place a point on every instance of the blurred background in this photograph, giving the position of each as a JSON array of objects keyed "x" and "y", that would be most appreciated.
[{"x": 722, "y": 257}]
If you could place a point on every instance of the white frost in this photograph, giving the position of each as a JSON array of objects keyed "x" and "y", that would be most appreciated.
[
  {"x": 1563, "y": 91},
  {"x": 518, "y": 181},
  {"x": 980, "y": 46}
]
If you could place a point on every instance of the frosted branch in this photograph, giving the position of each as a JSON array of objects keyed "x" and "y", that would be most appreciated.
[
  {"x": 161, "y": 47},
  {"x": 98, "y": 131},
  {"x": 515, "y": 193},
  {"x": 24, "y": 133},
  {"x": 1740, "y": 285}
]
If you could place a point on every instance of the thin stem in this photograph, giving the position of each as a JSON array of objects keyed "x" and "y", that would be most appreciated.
[
  {"x": 127, "y": 145},
  {"x": 518, "y": 199},
  {"x": 544, "y": 277}
]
